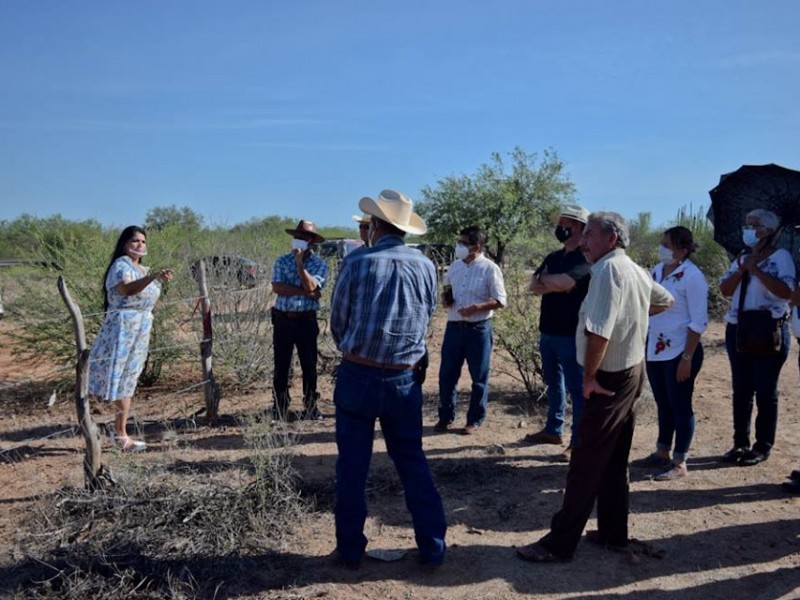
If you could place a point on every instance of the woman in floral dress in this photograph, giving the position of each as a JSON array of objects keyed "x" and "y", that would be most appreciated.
[
  {"x": 674, "y": 351},
  {"x": 120, "y": 350}
]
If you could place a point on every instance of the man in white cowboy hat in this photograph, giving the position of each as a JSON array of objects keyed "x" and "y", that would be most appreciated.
[
  {"x": 562, "y": 281},
  {"x": 474, "y": 289},
  {"x": 382, "y": 303},
  {"x": 297, "y": 279},
  {"x": 363, "y": 227}
]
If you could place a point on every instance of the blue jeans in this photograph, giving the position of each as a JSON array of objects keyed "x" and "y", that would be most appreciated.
[
  {"x": 471, "y": 342},
  {"x": 559, "y": 366},
  {"x": 755, "y": 375},
  {"x": 674, "y": 402},
  {"x": 362, "y": 395}
]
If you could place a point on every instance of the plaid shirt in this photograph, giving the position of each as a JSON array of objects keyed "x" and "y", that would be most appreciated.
[
  {"x": 383, "y": 301},
  {"x": 285, "y": 271}
]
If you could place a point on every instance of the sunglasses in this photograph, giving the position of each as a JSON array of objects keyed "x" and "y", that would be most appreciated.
[{"x": 363, "y": 226}]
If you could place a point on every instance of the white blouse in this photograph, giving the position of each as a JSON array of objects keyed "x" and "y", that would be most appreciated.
[
  {"x": 779, "y": 265},
  {"x": 669, "y": 330}
]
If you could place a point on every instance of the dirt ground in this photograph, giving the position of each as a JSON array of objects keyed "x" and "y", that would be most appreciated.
[{"x": 724, "y": 531}]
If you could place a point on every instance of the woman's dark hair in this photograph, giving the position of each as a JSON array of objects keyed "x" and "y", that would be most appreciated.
[
  {"x": 681, "y": 239},
  {"x": 119, "y": 250}
]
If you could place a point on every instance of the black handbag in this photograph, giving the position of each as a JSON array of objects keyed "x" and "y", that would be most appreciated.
[{"x": 757, "y": 332}]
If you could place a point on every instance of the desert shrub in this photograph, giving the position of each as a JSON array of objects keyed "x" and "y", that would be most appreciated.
[
  {"x": 517, "y": 329},
  {"x": 164, "y": 533}
]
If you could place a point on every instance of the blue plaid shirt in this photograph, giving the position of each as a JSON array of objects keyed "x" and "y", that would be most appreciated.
[
  {"x": 383, "y": 301},
  {"x": 285, "y": 271}
]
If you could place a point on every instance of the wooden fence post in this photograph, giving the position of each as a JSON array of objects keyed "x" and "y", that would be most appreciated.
[
  {"x": 95, "y": 474},
  {"x": 206, "y": 347}
]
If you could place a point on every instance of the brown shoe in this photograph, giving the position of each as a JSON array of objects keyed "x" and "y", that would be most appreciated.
[
  {"x": 470, "y": 429},
  {"x": 442, "y": 427},
  {"x": 565, "y": 456},
  {"x": 543, "y": 437}
]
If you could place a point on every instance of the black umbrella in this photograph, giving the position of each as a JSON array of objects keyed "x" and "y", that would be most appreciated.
[{"x": 771, "y": 187}]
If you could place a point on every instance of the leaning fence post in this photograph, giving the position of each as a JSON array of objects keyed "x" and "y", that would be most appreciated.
[
  {"x": 206, "y": 346},
  {"x": 92, "y": 468}
]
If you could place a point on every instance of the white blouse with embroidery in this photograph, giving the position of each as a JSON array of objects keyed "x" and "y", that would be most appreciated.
[{"x": 669, "y": 330}]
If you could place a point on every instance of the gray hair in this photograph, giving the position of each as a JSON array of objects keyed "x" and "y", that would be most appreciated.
[
  {"x": 767, "y": 218},
  {"x": 612, "y": 222}
]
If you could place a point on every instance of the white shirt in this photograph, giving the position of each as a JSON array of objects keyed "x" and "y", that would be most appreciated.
[
  {"x": 669, "y": 330},
  {"x": 779, "y": 265},
  {"x": 616, "y": 308},
  {"x": 475, "y": 283}
]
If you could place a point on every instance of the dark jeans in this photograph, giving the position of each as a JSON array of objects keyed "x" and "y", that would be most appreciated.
[
  {"x": 755, "y": 375},
  {"x": 560, "y": 367},
  {"x": 471, "y": 342},
  {"x": 674, "y": 402},
  {"x": 286, "y": 334},
  {"x": 362, "y": 395},
  {"x": 598, "y": 469}
]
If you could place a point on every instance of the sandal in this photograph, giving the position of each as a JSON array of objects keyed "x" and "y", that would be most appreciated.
[
  {"x": 131, "y": 446},
  {"x": 594, "y": 538},
  {"x": 652, "y": 460},
  {"x": 672, "y": 472},
  {"x": 537, "y": 553}
]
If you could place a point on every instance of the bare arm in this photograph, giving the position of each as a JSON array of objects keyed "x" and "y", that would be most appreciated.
[{"x": 136, "y": 286}]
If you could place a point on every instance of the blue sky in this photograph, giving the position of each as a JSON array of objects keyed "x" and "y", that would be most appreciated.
[{"x": 244, "y": 109}]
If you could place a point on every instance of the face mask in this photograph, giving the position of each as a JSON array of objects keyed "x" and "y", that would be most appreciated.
[
  {"x": 563, "y": 233},
  {"x": 665, "y": 255},
  {"x": 137, "y": 253},
  {"x": 749, "y": 237},
  {"x": 461, "y": 252},
  {"x": 301, "y": 245}
]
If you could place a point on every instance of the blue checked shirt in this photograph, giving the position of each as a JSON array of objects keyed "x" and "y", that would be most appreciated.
[
  {"x": 383, "y": 301},
  {"x": 285, "y": 271}
]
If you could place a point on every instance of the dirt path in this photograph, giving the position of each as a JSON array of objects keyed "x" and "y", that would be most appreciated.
[{"x": 726, "y": 532}]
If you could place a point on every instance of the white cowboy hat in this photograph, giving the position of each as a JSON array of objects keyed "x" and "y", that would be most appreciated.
[
  {"x": 575, "y": 212},
  {"x": 395, "y": 208},
  {"x": 362, "y": 219}
]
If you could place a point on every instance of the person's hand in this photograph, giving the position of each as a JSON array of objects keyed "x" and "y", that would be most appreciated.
[
  {"x": 684, "y": 370},
  {"x": 468, "y": 310},
  {"x": 590, "y": 386},
  {"x": 750, "y": 263},
  {"x": 298, "y": 255},
  {"x": 314, "y": 294},
  {"x": 164, "y": 275}
]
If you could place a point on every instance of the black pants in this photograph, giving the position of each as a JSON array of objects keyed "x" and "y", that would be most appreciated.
[
  {"x": 598, "y": 469},
  {"x": 286, "y": 334}
]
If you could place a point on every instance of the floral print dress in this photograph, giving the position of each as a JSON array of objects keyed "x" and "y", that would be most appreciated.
[{"x": 119, "y": 353}]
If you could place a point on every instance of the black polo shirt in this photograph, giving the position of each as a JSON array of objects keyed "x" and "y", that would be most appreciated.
[{"x": 559, "y": 314}]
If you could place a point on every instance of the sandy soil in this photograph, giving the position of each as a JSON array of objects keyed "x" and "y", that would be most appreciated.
[{"x": 726, "y": 532}]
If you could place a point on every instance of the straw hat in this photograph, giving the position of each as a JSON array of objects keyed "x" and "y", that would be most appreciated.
[
  {"x": 395, "y": 208},
  {"x": 575, "y": 212},
  {"x": 306, "y": 230}
]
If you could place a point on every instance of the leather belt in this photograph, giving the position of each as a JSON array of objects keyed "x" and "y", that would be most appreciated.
[
  {"x": 301, "y": 314},
  {"x": 360, "y": 360},
  {"x": 467, "y": 323}
]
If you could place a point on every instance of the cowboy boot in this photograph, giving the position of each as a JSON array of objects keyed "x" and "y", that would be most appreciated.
[
  {"x": 280, "y": 406},
  {"x": 311, "y": 412}
]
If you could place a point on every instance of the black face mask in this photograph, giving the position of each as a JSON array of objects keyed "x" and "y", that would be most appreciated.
[{"x": 563, "y": 233}]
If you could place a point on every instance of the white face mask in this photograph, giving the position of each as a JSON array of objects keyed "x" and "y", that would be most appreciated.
[
  {"x": 749, "y": 237},
  {"x": 461, "y": 251},
  {"x": 301, "y": 245},
  {"x": 137, "y": 253},
  {"x": 665, "y": 255}
]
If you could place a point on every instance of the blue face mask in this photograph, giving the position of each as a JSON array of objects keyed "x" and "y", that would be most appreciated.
[{"x": 749, "y": 237}]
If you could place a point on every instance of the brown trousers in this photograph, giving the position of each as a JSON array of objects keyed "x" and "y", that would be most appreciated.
[{"x": 598, "y": 469}]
